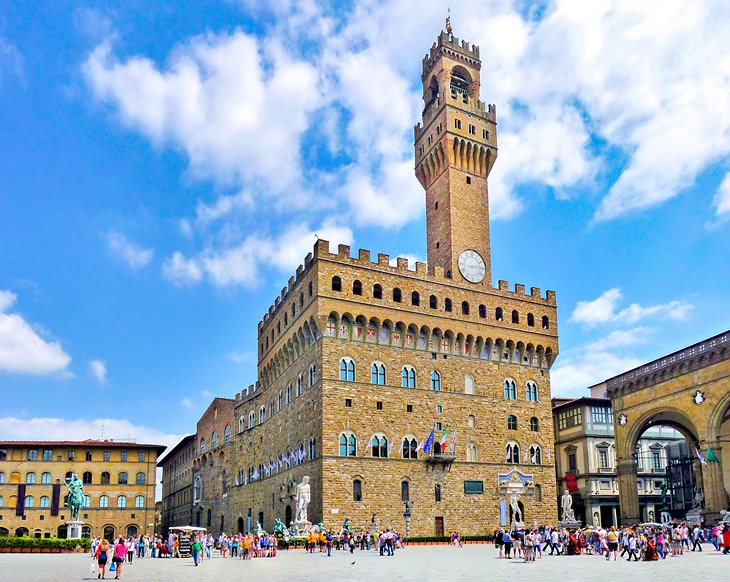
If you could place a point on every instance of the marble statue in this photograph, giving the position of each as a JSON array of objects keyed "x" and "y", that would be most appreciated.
[
  {"x": 567, "y": 504},
  {"x": 279, "y": 528},
  {"x": 75, "y": 497},
  {"x": 516, "y": 511},
  {"x": 698, "y": 499},
  {"x": 303, "y": 499}
]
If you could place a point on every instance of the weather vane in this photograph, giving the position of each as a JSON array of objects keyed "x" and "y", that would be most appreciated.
[{"x": 448, "y": 20}]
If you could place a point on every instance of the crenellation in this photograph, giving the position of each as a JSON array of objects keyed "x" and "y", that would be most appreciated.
[
  {"x": 343, "y": 251},
  {"x": 363, "y": 255},
  {"x": 291, "y": 282},
  {"x": 383, "y": 260},
  {"x": 402, "y": 264},
  {"x": 321, "y": 248},
  {"x": 421, "y": 268},
  {"x": 503, "y": 285},
  {"x": 519, "y": 289},
  {"x": 535, "y": 292}
]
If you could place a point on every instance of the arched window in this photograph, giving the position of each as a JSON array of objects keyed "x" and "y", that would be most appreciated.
[
  {"x": 377, "y": 373},
  {"x": 279, "y": 400},
  {"x": 379, "y": 446},
  {"x": 531, "y": 391},
  {"x": 448, "y": 306},
  {"x": 46, "y": 478},
  {"x": 30, "y": 477},
  {"x": 357, "y": 287},
  {"x": 347, "y": 370},
  {"x": 498, "y": 314},
  {"x": 202, "y": 445},
  {"x": 105, "y": 478},
  {"x": 86, "y": 478},
  {"x": 47, "y": 455},
  {"x": 262, "y": 414},
  {"x": 29, "y": 501},
  {"x": 405, "y": 491},
  {"x": 408, "y": 377},
  {"x": 530, "y": 320},
  {"x": 534, "y": 425},
  {"x": 122, "y": 478},
  {"x": 300, "y": 385},
  {"x": 471, "y": 421},
  {"x": 437, "y": 493},
  {"x": 435, "y": 381},
  {"x": 214, "y": 441},
  {"x": 415, "y": 298},
  {"x": 32, "y": 455},
  {"x": 336, "y": 283},
  {"x": 482, "y": 311},
  {"x": 513, "y": 453},
  {"x": 288, "y": 394},
  {"x": 139, "y": 478},
  {"x": 515, "y": 316},
  {"x": 301, "y": 299},
  {"x": 377, "y": 291},
  {"x": 397, "y": 295},
  {"x": 468, "y": 384},
  {"x": 312, "y": 375},
  {"x": 465, "y": 308},
  {"x": 357, "y": 490},
  {"x": 139, "y": 501},
  {"x": 2, "y": 477},
  {"x": 251, "y": 419},
  {"x": 87, "y": 501},
  {"x": 310, "y": 288},
  {"x": 227, "y": 435},
  {"x": 472, "y": 453},
  {"x": 348, "y": 444},
  {"x": 312, "y": 448},
  {"x": 535, "y": 455},
  {"x": 410, "y": 447},
  {"x": 45, "y": 501},
  {"x": 122, "y": 502},
  {"x": 197, "y": 488},
  {"x": 511, "y": 422},
  {"x": 103, "y": 502},
  {"x": 433, "y": 302},
  {"x": 545, "y": 322},
  {"x": 510, "y": 389}
]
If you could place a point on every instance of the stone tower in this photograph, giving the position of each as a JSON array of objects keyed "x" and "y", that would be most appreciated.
[{"x": 456, "y": 145}]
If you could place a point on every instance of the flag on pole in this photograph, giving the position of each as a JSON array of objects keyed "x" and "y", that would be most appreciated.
[
  {"x": 429, "y": 443},
  {"x": 548, "y": 456},
  {"x": 401, "y": 446},
  {"x": 420, "y": 445},
  {"x": 711, "y": 456},
  {"x": 700, "y": 457},
  {"x": 453, "y": 440},
  {"x": 443, "y": 436},
  {"x": 533, "y": 458},
  {"x": 255, "y": 474},
  {"x": 509, "y": 453},
  {"x": 390, "y": 447}
]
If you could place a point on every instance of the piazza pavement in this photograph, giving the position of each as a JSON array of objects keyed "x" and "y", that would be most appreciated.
[{"x": 418, "y": 563}]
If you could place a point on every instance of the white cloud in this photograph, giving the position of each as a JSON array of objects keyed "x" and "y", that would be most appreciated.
[
  {"x": 570, "y": 376},
  {"x": 241, "y": 263},
  {"x": 132, "y": 254},
  {"x": 187, "y": 403},
  {"x": 240, "y": 357},
  {"x": 604, "y": 309},
  {"x": 621, "y": 338},
  {"x": 98, "y": 370},
  {"x": 11, "y": 61},
  {"x": 722, "y": 198},
  {"x": 238, "y": 110},
  {"x": 23, "y": 350}
]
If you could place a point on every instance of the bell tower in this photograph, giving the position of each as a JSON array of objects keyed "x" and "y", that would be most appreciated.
[{"x": 455, "y": 149}]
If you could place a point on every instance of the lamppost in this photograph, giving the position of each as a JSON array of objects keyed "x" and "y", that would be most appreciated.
[{"x": 407, "y": 516}]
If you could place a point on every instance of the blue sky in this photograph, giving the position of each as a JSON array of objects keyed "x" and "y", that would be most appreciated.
[{"x": 165, "y": 167}]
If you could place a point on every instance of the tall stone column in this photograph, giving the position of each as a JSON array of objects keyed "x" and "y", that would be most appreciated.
[
  {"x": 627, "y": 489},
  {"x": 712, "y": 482}
]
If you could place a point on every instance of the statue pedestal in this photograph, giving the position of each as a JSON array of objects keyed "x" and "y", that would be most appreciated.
[
  {"x": 695, "y": 517},
  {"x": 74, "y": 529},
  {"x": 570, "y": 524}
]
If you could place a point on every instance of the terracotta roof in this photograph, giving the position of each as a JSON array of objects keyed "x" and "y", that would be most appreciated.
[{"x": 85, "y": 443}]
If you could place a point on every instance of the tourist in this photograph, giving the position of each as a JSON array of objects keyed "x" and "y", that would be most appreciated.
[
  {"x": 328, "y": 541},
  {"x": 507, "y": 542},
  {"x": 537, "y": 539},
  {"x": 196, "y": 548},
  {"x": 130, "y": 549},
  {"x": 696, "y": 538},
  {"x": 120, "y": 550},
  {"x": 554, "y": 539},
  {"x": 631, "y": 546},
  {"x": 529, "y": 543},
  {"x": 175, "y": 546},
  {"x": 498, "y": 535},
  {"x": 726, "y": 539},
  {"x": 102, "y": 556},
  {"x": 612, "y": 537}
]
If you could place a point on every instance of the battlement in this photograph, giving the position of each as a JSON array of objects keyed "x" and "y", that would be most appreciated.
[
  {"x": 449, "y": 44},
  {"x": 487, "y": 111},
  {"x": 247, "y": 393}
]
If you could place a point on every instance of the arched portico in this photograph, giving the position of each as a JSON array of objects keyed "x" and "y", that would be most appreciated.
[{"x": 690, "y": 391}]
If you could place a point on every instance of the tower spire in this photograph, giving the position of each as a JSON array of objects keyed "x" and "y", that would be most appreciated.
[{"x": 448, "y": 20}]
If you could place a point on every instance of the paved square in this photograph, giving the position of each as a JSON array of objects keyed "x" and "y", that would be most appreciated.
[{"x": 420, "y": 563}]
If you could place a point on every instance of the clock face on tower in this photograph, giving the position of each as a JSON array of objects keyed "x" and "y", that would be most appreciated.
[{"x": 471, "y": 266}]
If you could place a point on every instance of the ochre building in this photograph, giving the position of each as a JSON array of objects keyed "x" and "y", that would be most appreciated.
[
  {"x": 119, "y": 486},
  {"x": 359, "y": 360},
  {"x": 177, "y": 485}
]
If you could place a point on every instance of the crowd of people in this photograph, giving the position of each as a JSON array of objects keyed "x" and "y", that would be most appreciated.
[
  {"x": 384, "y": 542},
  {"x": 645, "y": 542}
]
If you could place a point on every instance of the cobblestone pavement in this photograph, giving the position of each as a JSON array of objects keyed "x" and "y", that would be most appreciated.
[{"x": 420, "y": 563}]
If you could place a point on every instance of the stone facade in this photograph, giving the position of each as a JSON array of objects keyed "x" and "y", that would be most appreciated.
[
  {"x": 177, "y": 485},
  {"x": 689, "y": 390},
  {"x": 211, "y": 475},
  {"x": 358, "y": 349},
  {"x": 119, "y": 480}
]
